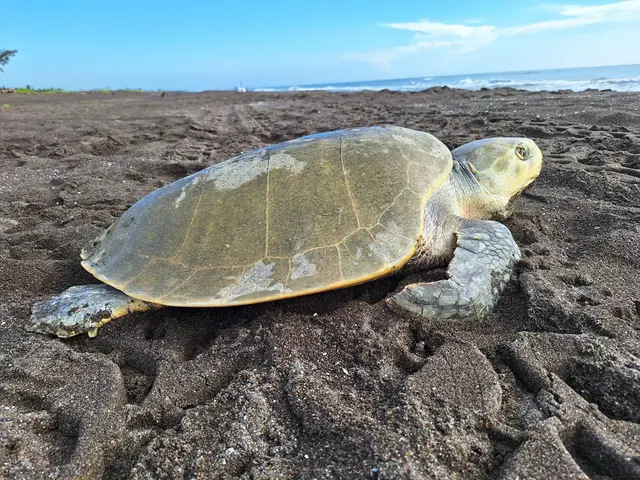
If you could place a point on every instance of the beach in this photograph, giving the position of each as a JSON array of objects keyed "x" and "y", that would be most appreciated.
[{"x": 332, "y": 385}]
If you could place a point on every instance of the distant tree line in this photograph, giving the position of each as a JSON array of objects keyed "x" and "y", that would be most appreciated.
[{"x": 5, "y": 55}]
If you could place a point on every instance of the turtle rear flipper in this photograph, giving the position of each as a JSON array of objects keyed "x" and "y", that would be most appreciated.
[
  {"x": 83, "y": 308},
  {"x": 482, "y": 266}
]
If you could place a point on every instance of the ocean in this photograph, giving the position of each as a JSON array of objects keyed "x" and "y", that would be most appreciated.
[{"x": 623, "y": 78}]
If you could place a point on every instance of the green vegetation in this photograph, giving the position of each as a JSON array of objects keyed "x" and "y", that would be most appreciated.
[
  {"x": 30, "y": 90},
  {"x": 5, "y": 55},
  {"x": 5, "y": 107}
]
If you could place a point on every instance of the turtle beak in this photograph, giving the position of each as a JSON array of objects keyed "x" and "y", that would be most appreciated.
[
  {"x": 524, "y": 187},
  {"x": 511, "y": 204}
]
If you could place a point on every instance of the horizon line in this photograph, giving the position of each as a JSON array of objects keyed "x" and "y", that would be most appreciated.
[{"x": 259, "y": 88}]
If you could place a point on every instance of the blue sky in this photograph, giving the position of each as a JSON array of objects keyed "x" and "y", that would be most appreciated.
[{"x": 197, "y": 45}]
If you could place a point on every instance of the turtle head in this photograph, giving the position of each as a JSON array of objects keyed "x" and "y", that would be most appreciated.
[{"x": 503, "y": 167}]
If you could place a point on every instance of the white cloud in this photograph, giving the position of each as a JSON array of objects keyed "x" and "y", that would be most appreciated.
[
  {"x": 618, "y": 11},
  {"x": 440, "y": 29},
  {"x": 463, "y": 38},
  {"x": 430, "y": 35}
]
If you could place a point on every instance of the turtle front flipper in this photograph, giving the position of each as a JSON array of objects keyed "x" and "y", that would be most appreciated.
[
  {"x": 482, "y": 265},
  {"x": 83, "y": 308}
]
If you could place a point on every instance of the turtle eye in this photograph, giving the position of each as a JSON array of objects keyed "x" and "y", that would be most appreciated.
[{"x": 521, "y": 152}]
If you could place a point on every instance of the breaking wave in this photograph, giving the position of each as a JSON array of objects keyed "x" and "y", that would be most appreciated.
[
  {"x": 624, "y": 78},
  {"x": 631, "y": 84}
]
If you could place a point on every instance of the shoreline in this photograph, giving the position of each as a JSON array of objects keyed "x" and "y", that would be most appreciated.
[{"x": 435, "y": 88}]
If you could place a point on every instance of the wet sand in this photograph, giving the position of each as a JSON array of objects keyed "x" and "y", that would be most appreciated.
[{"x": 332, "y": 385}]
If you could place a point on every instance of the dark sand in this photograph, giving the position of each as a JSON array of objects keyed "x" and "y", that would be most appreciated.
[{"x": 332, "y": 385}]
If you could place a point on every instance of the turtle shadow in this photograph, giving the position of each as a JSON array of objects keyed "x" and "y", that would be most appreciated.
[
  {"x": 331, "y": 301},
  {"x": 371, "y": 292}
]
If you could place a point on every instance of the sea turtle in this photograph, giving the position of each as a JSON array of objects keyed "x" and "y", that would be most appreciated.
[{"x": 318, "y": 213}]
